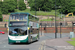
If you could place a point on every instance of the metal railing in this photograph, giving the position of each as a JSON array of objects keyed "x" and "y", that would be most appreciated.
[
  {"x": 53, "y": 24},
  {"x": 3, "y": 25}
]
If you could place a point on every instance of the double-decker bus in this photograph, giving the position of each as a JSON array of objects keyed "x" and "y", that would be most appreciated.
[{"x": 23, "y": 28}]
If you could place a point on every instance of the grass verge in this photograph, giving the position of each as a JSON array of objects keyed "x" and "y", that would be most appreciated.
[
  {"x": 5, "y": 20},
  {"x": 43, "y": 13},
  {"x": 72, "y": 42},
  {"x": 73, "y": 39}
]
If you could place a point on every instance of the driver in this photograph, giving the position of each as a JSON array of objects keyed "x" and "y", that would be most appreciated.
[{"x": 14, "y": 32}]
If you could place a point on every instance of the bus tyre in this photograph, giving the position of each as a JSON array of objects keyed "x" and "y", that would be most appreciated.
[
  {"x": 10, "y": 43},
  {"x": 31, "y": 39}
]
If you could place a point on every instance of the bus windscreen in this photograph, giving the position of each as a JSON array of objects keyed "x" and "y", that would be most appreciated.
[{"x": 17, "y": 31}]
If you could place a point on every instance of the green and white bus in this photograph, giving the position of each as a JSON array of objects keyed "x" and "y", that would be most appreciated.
[{"x": 23, "y": 28}]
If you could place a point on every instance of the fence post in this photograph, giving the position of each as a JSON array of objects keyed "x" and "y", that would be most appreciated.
[{"x": 60, "y": 29}]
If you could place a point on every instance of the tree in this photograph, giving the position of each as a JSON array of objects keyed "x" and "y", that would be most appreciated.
[
  {"x": 1, "y": 4},
  {"x": 4, "y": 8},
  {"x": 22, "y": 5},
  {"x": 31, "y": 2},
  {"x": 67, "y": 6},
  {"x": 1, "y": 18},
  {"x": 47, "y": 6},
  {"x": 72, "y": 6},
  {"x": 8, "y": 6},
  {"x": 12, "y": 5},
  {"x": 44, "y": 5}
]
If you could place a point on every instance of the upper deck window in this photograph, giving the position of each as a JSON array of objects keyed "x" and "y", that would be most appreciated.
[{"x": 18, "y": 17}]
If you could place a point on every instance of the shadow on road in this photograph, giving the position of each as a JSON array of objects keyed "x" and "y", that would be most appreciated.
[
  {"x": 23, "y": 43},
  {"x": 51, "y": 47}
]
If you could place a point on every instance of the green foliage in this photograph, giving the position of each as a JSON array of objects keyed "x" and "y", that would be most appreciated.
[
  {"x": 22, "y": 5},
  {"x": 5, "y": 20},
  {"x": 64, "y": 6},
  {"x": 1, "y": 18},
  {"x": 4, "y": 8},
  {"x": 38, "y": 12},
  {"x": 49, "y": 19},
  {"x": 8, "y": 6},
  {"x": 0, "y": 4},
  {"x": 67, "y": 6},
  {"x": 10, "y": 0},
  {"x": 31, "y": 2},
  {"x": 12, "y": 5},
  {"x": 71, "y": 42},
  {"x": 44, "y": 5},
  {"x": 73, "y": 39}
]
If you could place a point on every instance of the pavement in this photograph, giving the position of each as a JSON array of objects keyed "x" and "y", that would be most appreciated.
[{"x": 58, "y": 44}]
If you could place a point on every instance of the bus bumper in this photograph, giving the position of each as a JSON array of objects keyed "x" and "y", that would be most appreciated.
[{"x": 17, "y": 41}]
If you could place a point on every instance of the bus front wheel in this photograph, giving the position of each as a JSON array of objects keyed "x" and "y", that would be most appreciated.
[{"x": 30, "y": 40}]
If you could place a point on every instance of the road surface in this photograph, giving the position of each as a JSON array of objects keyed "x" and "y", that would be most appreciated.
[{"x": 37, "y": 45}]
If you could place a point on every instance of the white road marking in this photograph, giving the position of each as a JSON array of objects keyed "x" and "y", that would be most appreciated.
[{"x": 42, "y": 46}]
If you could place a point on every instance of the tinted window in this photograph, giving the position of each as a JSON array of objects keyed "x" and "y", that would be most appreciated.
[
  {"x": 17, "y": 31},
  {"x": 33, "y": 18}
]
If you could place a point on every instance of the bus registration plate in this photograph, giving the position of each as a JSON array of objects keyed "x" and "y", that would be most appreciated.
[{"x": 17, "y": 41}]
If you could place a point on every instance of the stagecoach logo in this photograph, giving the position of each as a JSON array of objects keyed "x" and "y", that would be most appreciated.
[{"x": 17, "y": 37}]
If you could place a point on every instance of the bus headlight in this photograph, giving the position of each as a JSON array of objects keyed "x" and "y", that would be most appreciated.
[
  {"x": 11, "y": 37},
  {"x": 8, "y": 29},
  {"x": 28, "y": 28}
]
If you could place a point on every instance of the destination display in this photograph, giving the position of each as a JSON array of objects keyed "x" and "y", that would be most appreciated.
[
  {"x": 18, "y": 17},
  {"x": 18, "y": 24}
]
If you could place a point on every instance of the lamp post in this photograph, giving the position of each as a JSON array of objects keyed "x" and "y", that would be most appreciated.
[
  {"x": 35, "y": 7},
  {"x": 18, "y": 4},
  {"x": 55, "y": 20},
  {"x": 64, "y": 21},
  {"x": 41, "y": 28},
  {"x": 60, "y": 30},
  {"x": 72, "y": 26},
  {"x": 45, "y": 27}
]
